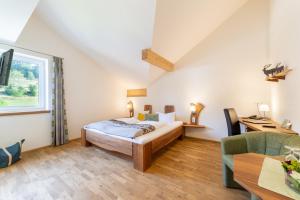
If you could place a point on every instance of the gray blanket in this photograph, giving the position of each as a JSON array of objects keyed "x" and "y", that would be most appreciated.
[{"x": 120, "y": 128}]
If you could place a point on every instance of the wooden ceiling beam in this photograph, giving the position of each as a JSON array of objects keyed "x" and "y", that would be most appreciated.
[{"x": 155, "y": 59}]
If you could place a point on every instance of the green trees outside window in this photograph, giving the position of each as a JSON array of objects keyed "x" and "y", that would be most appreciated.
[{"x": 23, "y": 86}]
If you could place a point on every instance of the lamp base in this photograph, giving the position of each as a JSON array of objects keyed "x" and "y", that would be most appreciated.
[
  {"x": 194, "y": 119},
  {"x": 131, "y": 113}
]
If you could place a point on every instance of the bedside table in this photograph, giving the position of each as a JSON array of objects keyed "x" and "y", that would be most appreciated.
[
  {"x": 185, "y": 125},
  {"x": 188, "y": 125}
]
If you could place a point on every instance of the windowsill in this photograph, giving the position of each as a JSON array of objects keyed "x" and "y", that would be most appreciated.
[{"x": 24, "y": 113}]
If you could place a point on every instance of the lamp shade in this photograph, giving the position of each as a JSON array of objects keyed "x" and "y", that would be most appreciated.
[
  {"x": 264, "y": 108},
  {"x": 193, "y": 107},
  {"x": 130, "y": 105},
  {"x": 137, "y": 92}
]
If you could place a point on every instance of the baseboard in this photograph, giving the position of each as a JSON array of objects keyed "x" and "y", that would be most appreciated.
[
  {"x": 47, "y": 146},
  {"x": 204, "y": 139},
  {"x": 36, "y": 149}
]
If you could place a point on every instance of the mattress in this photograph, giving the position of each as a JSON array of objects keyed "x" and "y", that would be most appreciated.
[{"x": 144, "y": 138}]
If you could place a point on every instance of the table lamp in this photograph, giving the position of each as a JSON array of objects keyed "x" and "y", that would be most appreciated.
[
  {"x": 195, "y": 109},
  {"x": 264, "y": 108},
  {"x": 135, "y": 93},
  {"x": 130, "y": 108}
]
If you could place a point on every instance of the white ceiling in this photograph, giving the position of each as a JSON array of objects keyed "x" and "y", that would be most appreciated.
[
  {"x": 181, "y": 24},
  {"x": 113, "y": 32},
  {"x": 13, "y": 17}
]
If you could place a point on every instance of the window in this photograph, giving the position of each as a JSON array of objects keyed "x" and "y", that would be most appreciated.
[{"x": 27, "y": 88}]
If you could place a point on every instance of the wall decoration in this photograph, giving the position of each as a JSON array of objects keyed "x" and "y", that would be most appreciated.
[
  {"x": 276, "y": 72},
  {"x": 195, "y": 108}
]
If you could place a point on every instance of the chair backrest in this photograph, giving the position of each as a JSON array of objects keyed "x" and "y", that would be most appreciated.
[
  {"x": 232, "y": 120},
  {"x": 270, "y": 143}
]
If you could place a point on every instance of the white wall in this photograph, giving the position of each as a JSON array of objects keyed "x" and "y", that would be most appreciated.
[
  {"x": 222, "y": 71},
  {"x": 91, "y": 92},
  {"x": 285, "y": 47}
]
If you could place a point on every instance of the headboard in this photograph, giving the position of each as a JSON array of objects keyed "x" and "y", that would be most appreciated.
[
  {"x": 169, "y": 108},
  {"x": 148, "y": 108}
]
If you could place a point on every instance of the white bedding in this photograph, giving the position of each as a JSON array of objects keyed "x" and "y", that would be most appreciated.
[
  {"x": 164, "y": 129},
  {"x": 153, "y": 123}
]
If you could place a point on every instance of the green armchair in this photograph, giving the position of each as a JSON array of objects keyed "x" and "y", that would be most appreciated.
[{"x": 267, "y": 143}]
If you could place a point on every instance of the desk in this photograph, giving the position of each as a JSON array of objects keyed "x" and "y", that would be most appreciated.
[
  {"x": 259, "y": 127},
  {"x": 246, "y": 172}
]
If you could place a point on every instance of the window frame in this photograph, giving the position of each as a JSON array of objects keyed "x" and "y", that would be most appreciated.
[{"x": 43, "y": 86}]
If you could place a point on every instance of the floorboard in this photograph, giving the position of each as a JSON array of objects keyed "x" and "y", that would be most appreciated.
[{"x": 187, "y": 170}]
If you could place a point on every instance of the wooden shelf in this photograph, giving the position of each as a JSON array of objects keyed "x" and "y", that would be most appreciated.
[{"x": 185, "y": 124}]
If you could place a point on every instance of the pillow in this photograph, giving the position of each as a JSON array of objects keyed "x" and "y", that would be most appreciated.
[
  {"x": 142, "y": 112},
  {"x": 141, "y": 117},
  {"x": 166, "y": 117},
  {"x": 151, "y": 117},
  {"x": 11, "y": 154}
]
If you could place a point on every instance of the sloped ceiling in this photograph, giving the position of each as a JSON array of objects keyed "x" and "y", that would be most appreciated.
[
  {"x": 113, "y": 32},
  {"x": 181, "y": 25},
  {"x": 13, "y": 17}
]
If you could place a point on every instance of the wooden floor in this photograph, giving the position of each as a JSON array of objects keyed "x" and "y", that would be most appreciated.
[{"x": 188, "y": 169}]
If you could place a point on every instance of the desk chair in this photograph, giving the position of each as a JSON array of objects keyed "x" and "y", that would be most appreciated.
[{"x": 232, "y": 121}]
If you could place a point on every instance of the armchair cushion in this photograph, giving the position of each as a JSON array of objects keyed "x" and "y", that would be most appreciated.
[
  {"x": 256, "y": 142},
  {"x": 234, "y": 145},
  {"x": 274, "y": 143}
]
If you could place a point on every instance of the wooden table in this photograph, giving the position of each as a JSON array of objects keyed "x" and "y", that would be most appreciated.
[
  {"x": 256, "y": 125},
  {"x": 246, "y": 172}
]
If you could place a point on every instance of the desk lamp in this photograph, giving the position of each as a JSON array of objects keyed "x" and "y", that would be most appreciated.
[{"x": 263, "y": 108}]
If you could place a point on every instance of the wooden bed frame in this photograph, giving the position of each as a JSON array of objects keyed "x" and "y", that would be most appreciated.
[{"x": 140, "y": 153}]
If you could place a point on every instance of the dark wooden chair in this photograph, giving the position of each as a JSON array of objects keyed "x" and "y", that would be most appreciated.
[{"x": 232, "y": 120}]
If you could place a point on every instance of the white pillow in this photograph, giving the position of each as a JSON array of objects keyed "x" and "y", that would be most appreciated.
[
  {"x": 128, "y": 120},
  {"x": 166, "y": 117}
]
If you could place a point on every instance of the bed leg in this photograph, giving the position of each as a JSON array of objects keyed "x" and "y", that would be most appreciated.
[
  {"x": 142, "y": 156},
  {"x": 181, "y": 137},
  {"x": 84, "y": 142}
]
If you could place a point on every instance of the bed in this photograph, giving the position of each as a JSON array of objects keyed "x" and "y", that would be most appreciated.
[{"x": 140, "y": 148}]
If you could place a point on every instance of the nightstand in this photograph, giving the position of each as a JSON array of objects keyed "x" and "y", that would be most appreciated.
[{"x": 186, "y": 124}]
